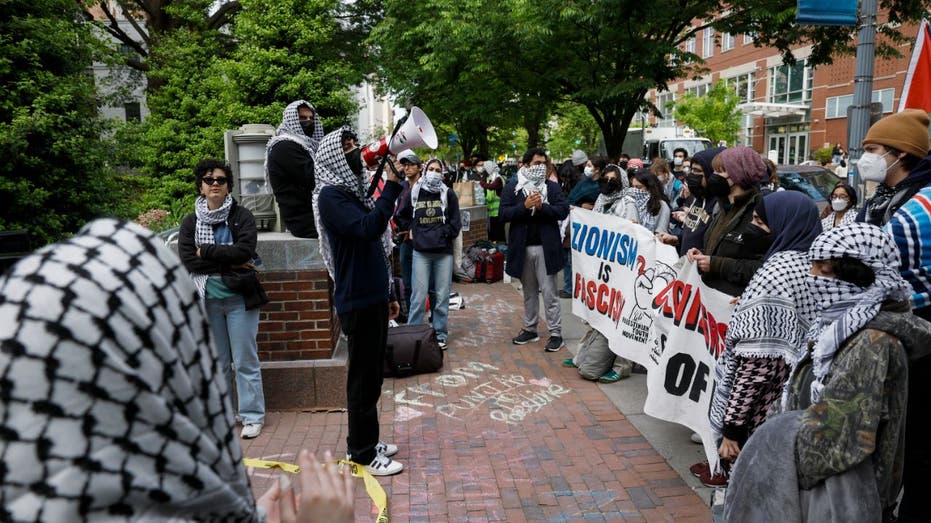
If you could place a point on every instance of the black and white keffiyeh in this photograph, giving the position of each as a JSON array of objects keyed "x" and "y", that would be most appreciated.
[
  {"x": 332, "y": 170},
  {"x": 641, "y": 199},
  {"x": 290, "y": 129},
  {"x": 845, "y": 308},
  {"x": 530, "y": 179},
  {"x": 203, "y": 231},
  {"x": 114, "y": 405},
  {"x": 432, "y": 182},
  {"x": 771, "y": 321}
]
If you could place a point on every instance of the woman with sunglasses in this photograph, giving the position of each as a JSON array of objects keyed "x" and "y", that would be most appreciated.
[{"x": 218, "y": 236}]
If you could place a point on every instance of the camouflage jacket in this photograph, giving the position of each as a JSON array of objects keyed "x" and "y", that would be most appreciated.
[{"x": 862, "y": 413}]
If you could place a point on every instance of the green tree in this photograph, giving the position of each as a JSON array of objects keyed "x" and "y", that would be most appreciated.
[
  {"x": 54, "y": 176},
  {"x": 572, "y": 128},
  {"x": 713, "y": 115}
]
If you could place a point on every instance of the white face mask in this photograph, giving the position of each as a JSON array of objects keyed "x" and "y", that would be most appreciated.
[
  {"x": 838, "y": 205},
  {"x": 589, "y": 172},
  {"x": 481, "y": 170},
  {"x": 872, "y": 167},
  {"x": 677, "y": 161}
]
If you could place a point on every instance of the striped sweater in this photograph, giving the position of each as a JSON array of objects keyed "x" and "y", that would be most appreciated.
[{"x": 910, "y": 226}]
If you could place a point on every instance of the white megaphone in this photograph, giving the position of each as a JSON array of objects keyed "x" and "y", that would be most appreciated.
[{"x": 417, "y": 131}]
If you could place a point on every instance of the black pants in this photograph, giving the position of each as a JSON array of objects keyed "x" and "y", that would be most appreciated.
[
  {"x": 917, "y": 475},
  {"x": 367, "y": 330}
]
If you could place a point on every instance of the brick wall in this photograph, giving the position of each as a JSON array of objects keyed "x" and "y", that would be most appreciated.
[
  {"x": 298, "y": 323},
  {"x": 478, "y": 226}
]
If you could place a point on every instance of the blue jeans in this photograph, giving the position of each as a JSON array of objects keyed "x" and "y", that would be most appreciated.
[
  {"x": 432, "y": 270},
  {"x": 406, "y": 255},
  {"x": 234, "y": 329},
  {"x": 567, "y": 271}
]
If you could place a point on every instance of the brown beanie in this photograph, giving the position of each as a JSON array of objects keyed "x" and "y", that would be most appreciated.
[{"x": 906, "y": 131}]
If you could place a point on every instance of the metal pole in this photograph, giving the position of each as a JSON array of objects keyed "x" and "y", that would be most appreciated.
[{"x": 859, "y": 122}]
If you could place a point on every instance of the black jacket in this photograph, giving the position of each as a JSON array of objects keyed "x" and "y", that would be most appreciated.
[
  {"x": 215, "y": 259},
  {"x": 545, "y": 221},
  {"x": 291, "y": 173},
  {"x": 735, "y": 245}
]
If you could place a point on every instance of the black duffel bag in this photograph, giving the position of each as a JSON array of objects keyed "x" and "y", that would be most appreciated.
[
  {"x": 246, "y": 282},
  {"x": 412, "y": 349}
]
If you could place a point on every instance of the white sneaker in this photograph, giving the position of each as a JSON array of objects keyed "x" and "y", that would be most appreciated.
[
  {"x": 251, "y": 430},
  {"x": 386, "y": 449},
  {"x": 383, "y": 466}
]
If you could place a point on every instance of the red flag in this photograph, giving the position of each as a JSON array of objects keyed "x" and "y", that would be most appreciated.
[{"x": 917, "y": 91}]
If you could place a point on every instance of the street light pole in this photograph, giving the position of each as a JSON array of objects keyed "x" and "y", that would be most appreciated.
[{"x": 859, "y": 122}]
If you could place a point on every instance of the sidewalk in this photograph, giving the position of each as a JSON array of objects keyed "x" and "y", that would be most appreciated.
[{"x": 505, "y": 433}]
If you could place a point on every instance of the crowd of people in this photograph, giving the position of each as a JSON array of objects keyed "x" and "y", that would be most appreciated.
[{"x": 816, "y": 412}]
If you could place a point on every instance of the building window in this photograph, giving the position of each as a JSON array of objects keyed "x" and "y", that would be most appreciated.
[
  {"x": 790, "y": 83},
  {"x": 698, "y": 90},
  {"x": 690, "y": 45},
  {"x": 743, "y": 85},
  {"x": 748, "y": 38},
  {"x": 707, "y": 43},
  {"x": 727, "y": 42},
  {"x": 663, "y": 105},
  {"x": 836, "y": 106},
  {"x": 133, "y": 111}
]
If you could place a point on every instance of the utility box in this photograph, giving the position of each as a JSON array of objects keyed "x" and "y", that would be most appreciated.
[{"x": 245, "y": 152}]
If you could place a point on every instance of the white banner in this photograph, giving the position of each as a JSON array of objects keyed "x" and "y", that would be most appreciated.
[{"x": 654, "y": 310}]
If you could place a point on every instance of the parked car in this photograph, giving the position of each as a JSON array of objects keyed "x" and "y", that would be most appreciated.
[{"x": 815, "y": 181}]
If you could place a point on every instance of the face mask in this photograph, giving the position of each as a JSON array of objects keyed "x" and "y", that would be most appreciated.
[
  {"x": 481, "y": 170},
  {"x": 433, "y": 179},
  {"x": 354, "y": 159},
  {"x": 717, "y": 186},
  {"x": 759, "y": 240},
  {"x": 662, "y": 179},
  {"x": 838, "y": 205},
  {"x": 609, "y": 185},
  {"x": 308, "y": 127},
  {"x": 677, "y": 161},
  {"x": 693, "y": 181},
  {"x": 589, "y": 172},
  {"x": 872, "y": 167}
]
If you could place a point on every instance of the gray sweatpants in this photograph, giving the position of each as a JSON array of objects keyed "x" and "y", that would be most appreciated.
[{"x": 533, "y": 280}]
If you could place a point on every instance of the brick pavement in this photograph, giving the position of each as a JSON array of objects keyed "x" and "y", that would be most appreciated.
[{"x": 503, "y": 433}]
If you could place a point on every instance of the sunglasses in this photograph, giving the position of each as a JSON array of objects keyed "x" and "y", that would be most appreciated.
[{"x": 210, "y": 181}]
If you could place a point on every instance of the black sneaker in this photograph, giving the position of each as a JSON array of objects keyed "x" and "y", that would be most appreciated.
[
  {"x": 525, "y": 337},
  {"x": 565, "y": 295},
  {"x": 554, "y": 344}
]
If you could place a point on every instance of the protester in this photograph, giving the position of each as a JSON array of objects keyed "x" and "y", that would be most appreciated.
[
  {"x": 734, "y": 247},
  {"x": 679, "y": 158},
  {"x": 412, "y": 170},
  {"x": 896, "y": 156},
  {"x": 841, "y": 211},
  {"x": 534, "y": 206},
  {"x": 670, "y": 184},
  {"x": 771, "y": 185},
  {"x": 645, "y": 202},
  {"x": 583, "y": 195},
  {"x": 837, "y": 453},
  {"x": 289, "y": 166},
  {"x": 432, "y": 210},
  {"x": 595, "y": 359},
  {"x": 114, "y": 408},
  {"x": 217, "y": 238},
  {"x": 768, "y": 328},
  {"x": 493, "y": 182},
  {"x": 355, "y": 245},
  {"x": 699, "y": 208},
  {"x": 837, "y": 154},
  {"x": 571, "y": 172}
]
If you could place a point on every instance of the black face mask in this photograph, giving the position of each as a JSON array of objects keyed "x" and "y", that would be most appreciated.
[
  {"x": 693, "y": 181},
  {"x": 308, "y": 127},
  {"x": 354, "y": 159},
  {"x": 758, "y": 241},
  {"x": 717, "y": 186},
  {"x": 609, "y": 185}
]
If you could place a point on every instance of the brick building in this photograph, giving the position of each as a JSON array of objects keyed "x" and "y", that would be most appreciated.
[{"x": 792, "y": 110}]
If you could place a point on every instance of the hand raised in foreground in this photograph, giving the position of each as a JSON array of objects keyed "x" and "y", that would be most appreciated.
[{"x": 326, "y": 494}]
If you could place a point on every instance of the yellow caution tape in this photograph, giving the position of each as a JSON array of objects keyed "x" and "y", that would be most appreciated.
[
  {"x": 372, "y": 487},
  {"x": 264, "y": 464}
]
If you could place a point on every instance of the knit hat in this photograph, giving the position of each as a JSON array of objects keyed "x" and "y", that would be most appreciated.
[
  {"x": 744, "y": 166},
  {"x": 578, "y": 157},
  {"x": 635, "y": 163},
  {"x": 906, "y": 131}
]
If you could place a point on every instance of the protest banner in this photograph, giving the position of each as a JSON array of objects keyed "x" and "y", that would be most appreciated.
[{"x": 686, "y": 339}]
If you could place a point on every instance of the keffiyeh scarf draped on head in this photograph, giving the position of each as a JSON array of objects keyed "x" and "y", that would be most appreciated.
[
  {"x": 290, "y": 129},
  {"x": 845, "y": 308},
  {"x": 114, "y": 405},
  {"x": 331, "y": 170},
  {"x": 771, "y": 321},
  {"x": 203, "y": 232},
  {"x": 432, "y": 183},
  {"x": 641, "y": 199},
  {"x": 530, "y": 179}
]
